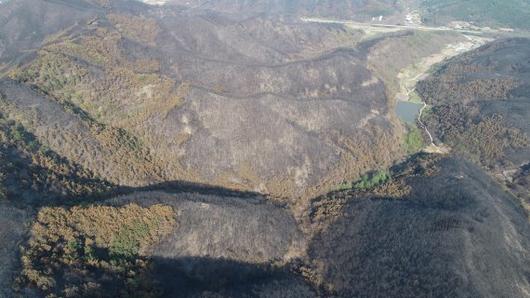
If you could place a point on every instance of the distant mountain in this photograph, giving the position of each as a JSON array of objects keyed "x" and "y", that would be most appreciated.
[
  {"x": 506, "y": 13},
  {"x": 509, "y": 13},
  {"x": 357, "y": 9}
]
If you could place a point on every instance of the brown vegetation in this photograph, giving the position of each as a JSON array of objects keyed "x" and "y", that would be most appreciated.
[
  {"x": 139, "y": 29},
  {"x": 484, "y": 140},
  {"x": 94, "y": 251},
  {"x": 466, "y": 90},
  {"x": 115, "y": 94},
  {"x": 481, "y": 107},
  {"x": 328, "y": 208},
  {"x": 32, "y": 173},
  {"x": 124, "y": 95},
  {"x": 147, "y": 102}
]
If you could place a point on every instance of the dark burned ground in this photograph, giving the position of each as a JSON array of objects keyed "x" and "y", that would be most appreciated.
[
  {"x": 13, "y": 228},
  {"x": 492, "y": 80},
  {"x": 481, "y": 108},
  {"x": 141, "y": 95},
  {"x": 457, "y": 233},
  {"x": 453, "y": 231},
  {"x": 440, "y": 227},
  {"x": 227, "y": 246},
  {"x": 217, "y": 245}
]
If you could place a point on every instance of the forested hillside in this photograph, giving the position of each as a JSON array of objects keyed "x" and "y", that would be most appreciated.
[{"x": 236, "y": 149}]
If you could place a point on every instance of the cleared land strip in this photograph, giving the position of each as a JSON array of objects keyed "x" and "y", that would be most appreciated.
[{"x": 391, "y": 27}]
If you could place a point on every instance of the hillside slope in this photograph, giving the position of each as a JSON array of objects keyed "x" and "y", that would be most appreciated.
[
  {"x": 346, "y": 9},
  {"x": 189, "y": 150},
  {"x": 439, "y": 226},
  {"x": 481, "y": 108},
  {"x": 451, "y": 231},
  {"x": 163, "y": 245},
  {"x": 230, "y": 103}
]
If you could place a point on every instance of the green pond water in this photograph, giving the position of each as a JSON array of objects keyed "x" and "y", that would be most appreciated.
[{"x": 408, "y": 111}]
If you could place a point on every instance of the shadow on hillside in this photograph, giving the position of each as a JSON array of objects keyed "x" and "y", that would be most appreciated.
[
  {"x": 183, "y": 277},
  {"x": 180, "y": 186},
  {"x": 172, "y": 187},
  {"x": 190, "y": 276},
  {"x": 28, "y": 184},
  {"x": 419, "y": 244}
]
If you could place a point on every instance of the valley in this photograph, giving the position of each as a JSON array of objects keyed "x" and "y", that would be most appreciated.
[{"x": 262, "y": 149}]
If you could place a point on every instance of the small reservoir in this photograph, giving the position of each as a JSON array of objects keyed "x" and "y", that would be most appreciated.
[{"x": 408, "y": 111}]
